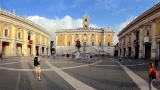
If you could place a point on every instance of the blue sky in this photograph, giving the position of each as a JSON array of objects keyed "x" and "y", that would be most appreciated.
[{"x": 56, "y": 14}]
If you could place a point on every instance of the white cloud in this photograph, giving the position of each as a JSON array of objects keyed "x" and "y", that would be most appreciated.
[
  {"x": 52, "y": 25},
  {"x": 119, "y": 27}
]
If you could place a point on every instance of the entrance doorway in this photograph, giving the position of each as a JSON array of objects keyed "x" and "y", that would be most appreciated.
[
  {"x": 129, "y": 53},
  {"x": 29, "y": 50},
  {"x": 5, "y": 48},
  {"x": 19, "y": 49},
  {"x": 124, "y": 52},
  {"x": 37, "y": 50},
  {"x": 137, "y": 51},
  {"x": 148, "y": 51},
  {"x": 43, "y": 50}
]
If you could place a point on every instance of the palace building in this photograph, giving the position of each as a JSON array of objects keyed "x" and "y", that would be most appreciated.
[
  {"x": 141, "y": 37},
  {"x": 22, "y": 37},
  {"x": 93, "y": 40}
]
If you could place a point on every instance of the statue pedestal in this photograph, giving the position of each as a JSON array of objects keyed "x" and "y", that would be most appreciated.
[{"x": 77, "y": 55}]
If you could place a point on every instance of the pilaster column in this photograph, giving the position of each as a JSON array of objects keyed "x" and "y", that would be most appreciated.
[
  {"x": 141, "y": 44},
  {"x": 153, "y": 47},
  {"x": 65, "y": 40},
  {"x": 104, "y": 39},
  {"x": 56, "y": 40},
  {"x": 73, "y": 39},
  {"x": 0, "y": 28},
  {"x": 13, "y": 44},
  {"x": 133, "y": 48}
]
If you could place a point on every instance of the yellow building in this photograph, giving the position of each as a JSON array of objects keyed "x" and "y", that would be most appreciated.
[
  {"x": 16, "y": 32},
  {"x": 141, "y": 37},
  {"x": 93, "y": 40}
]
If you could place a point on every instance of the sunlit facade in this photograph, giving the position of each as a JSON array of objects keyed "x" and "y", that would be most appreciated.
[
  {"x": 141, "y": 37},
  {"x": 20, "y": 36},
  {"x": 93, "y": 40}
]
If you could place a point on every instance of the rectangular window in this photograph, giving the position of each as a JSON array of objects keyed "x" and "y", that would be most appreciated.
[
  {"x": 84, "y": 34},
  {"x": 147, "y": 33},
  {"x": 60, "y": 34},
  {"x": 108, "y": 34},
  {"x": 19, "y": 35},
  {"x": 6, "y": 32}
]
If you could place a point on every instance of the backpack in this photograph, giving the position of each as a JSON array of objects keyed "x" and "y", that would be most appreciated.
[
  {"x": 154, "y": 74},
  {"x": 36, "y": 61}
]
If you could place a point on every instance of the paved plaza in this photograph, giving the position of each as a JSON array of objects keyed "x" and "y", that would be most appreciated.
[{"x": 18, "y": 74}]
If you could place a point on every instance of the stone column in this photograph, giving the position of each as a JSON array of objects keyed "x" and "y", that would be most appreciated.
[
  {"x": 13, "y": 44},
  {"x": 126, "y": 51},
  {"x": 133, "y": 48},
  {"x": 73, "y": 39},
  {"x": 104, "y": 40},
  {"x": 141, "y": 44},
  {"x": 153, "y": 47}
]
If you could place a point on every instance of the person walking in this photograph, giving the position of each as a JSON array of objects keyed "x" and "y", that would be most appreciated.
[
  {"x": 89, "y": 58},
  {"x": 54, "y": 55},
  {"x": 37, "y": 62},
  {"x": 67, "y": 58},
  {"x": 119, "y": 58},
  {"x": 1, "y": 56},
  {"x": 150, "y": 77},
  {"x": 48, "y": 55}
]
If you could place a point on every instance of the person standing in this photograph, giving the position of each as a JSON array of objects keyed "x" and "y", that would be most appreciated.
[
  {"x": 89, "y": 58},
  {"x": 37, "y": 62},
  {"x": 1, "y": 56},
  {"x": 67, "y": 59},
  {"x": 48, "y": 55}
]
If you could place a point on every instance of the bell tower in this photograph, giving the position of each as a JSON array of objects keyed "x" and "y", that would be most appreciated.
[{"x": 86, "y": 21}]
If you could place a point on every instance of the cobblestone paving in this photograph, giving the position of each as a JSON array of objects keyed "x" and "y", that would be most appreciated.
[{"x": 105, "y": 75}]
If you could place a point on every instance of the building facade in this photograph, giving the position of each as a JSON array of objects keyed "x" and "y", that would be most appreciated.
[
  {"x": 93, "y": 40},
  {"x": 20, "y": 36},
  {"x": 141, "y": 37}
]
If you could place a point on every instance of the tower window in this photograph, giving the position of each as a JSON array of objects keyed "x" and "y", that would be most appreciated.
[
  {"x": 85, "y": 20},
  {"x": 85, "y": 26}
]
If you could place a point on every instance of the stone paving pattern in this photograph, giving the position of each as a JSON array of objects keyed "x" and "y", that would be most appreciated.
[{"x": 98, "y": 77}]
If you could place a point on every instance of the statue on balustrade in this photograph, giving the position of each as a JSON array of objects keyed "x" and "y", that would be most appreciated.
[{"x": 78, "y": 44}]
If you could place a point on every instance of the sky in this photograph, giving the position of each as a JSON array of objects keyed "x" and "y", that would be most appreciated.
[{"x": 66, "y": 14}]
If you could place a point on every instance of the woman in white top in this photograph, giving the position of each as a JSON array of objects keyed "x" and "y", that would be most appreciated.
[{"x": 89, "y": 58}]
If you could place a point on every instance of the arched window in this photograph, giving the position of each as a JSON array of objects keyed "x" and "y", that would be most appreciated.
[{"x": 86, "y": 20}]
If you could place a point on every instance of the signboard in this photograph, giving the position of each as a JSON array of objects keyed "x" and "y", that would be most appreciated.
[
  {"x": 146, "y": 39},
  {"x": 135, "y": 42},
  {"x": 30, "y": 42}
]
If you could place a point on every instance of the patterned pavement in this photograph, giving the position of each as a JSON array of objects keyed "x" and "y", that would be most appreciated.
[{"x": 57, "y": 74}]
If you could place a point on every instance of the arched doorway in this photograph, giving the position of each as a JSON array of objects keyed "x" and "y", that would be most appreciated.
[
  {"x": 29, "y": 50},
  {"x": 5, "y": 48}
]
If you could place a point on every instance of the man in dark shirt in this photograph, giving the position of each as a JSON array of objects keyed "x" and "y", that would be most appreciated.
[{"x": 37, "y": 62}]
